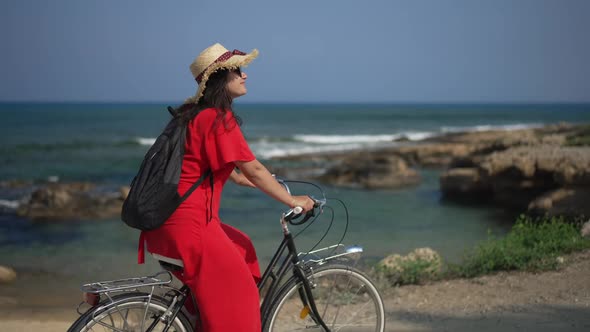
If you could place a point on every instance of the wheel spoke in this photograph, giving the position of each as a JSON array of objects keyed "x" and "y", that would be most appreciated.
[
  {"x": 131, "y": 316},
  {"x": 345, "y": 298}
]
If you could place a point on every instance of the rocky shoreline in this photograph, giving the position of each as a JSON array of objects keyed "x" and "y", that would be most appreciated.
[
  {"x": 55, "y": 201},
  {"x": 545, "y": 171}
]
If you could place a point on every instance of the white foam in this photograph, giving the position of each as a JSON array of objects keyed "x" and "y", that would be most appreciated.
[
  {"x": 13, "y": 205},
  {"x": 348, "y": 139},
  {"x": 306, "y": 144},
  {"x": 145, "y": 141},
  {"x": 293, "y": 150},
  {"x": 517, "y": 126},
  {"x": 417, "y": 135},
  {"x": 271, "y": 147}
]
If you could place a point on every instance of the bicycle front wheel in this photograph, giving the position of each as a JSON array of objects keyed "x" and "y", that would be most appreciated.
[
  {"x": 346, "y": 299},
  {"x": 133, "y": 313}
]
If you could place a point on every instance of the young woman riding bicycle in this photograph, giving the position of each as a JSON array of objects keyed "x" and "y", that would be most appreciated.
[{"x": 220, "y": 264}]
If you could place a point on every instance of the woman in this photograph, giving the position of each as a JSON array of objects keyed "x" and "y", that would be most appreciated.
[{"x": 220, "y": 264}]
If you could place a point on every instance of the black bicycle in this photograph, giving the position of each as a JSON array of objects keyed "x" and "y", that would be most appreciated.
[{"x": 319, "y": 290}]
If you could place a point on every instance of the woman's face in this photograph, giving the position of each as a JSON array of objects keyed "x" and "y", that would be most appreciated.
[{"x": 236, "y": 83}]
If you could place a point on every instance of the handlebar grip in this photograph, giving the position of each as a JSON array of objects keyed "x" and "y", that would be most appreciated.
[
  {"x": 293, "y": 213},
  {"x": 308, "y": 215}
]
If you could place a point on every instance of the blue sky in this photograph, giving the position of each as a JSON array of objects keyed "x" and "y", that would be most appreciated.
[{"x": 310, "y": 51}]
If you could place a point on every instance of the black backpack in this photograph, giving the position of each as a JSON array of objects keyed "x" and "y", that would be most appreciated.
[{"x": 153, "y": 196}]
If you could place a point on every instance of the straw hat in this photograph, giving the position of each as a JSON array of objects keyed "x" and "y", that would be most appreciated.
[{"x": 213, "y": 58}]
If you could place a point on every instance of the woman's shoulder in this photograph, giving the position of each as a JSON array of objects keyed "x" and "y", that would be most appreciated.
[
  {"x": 209, "y": 119},
  {"x": 207, "y": 113},
  {"x": 205, "y": 117}
]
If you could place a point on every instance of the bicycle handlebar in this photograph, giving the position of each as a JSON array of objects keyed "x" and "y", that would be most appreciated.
[{"x": 292, "y": 214}]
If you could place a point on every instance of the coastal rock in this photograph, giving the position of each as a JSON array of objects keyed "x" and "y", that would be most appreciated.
[
  {"x": 570, "y": 201},
  {"x": 463, "y": 180},
  {"x": 531, "y": 161},
  {"x": 434, "y": 155},
  {"x": 526, "y": 177},
  {"x": 372, "y": 172},
  {"x": 58, "y": 201},
  {"x": 7, "y": 274},
  {"x": 565, "y": 165}
]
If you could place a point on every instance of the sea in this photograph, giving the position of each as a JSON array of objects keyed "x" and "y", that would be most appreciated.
[{"x": 104, "y": 143}]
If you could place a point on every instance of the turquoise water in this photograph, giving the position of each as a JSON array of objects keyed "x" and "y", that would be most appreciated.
[{"x": 104, "y": 143}]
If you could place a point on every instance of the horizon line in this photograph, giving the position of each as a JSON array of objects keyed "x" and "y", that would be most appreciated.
[{"x": 153, "y": 102}]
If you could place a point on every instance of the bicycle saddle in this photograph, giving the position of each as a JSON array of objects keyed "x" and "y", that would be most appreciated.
[{"x": 169, "y": 264}]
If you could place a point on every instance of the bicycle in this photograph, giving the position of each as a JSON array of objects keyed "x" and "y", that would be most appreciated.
[{"x": 324, "y": 293}]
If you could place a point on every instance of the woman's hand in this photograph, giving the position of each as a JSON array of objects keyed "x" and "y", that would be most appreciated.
[{"x": 302, "y": 201}]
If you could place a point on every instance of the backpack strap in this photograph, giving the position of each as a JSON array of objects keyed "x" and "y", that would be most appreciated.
[{"x": 196, "y": 184}]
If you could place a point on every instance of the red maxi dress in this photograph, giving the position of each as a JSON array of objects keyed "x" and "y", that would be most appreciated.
[{"x": 220, "y": 264}]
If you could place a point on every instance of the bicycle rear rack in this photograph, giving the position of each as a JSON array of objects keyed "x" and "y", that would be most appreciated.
[{"x": 158, "y": 279}]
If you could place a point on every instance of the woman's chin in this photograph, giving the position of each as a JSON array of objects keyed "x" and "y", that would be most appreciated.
[{"x": 240, "y": 94}]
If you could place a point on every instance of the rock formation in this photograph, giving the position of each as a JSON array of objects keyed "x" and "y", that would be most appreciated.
[
  {"x": 58, "y": 201},
  {"x": 7, "y": 274},
  {"x": 371, "y": 172},
  {"x": 545, "y": 170},
  {"x": 545, "y": 179}
]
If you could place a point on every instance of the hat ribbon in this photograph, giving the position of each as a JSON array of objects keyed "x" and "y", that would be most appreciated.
[{"x": 222, "y": 58}]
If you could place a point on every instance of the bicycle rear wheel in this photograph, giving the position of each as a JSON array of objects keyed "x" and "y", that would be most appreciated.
[
  {"x": 133, "y": 313},
  {"x": 346, "y": 299}
]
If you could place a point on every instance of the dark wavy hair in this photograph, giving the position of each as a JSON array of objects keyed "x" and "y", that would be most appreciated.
[{"x": 215, "y": 96}]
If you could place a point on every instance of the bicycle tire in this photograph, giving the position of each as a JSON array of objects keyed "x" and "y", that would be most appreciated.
[
  {"x": 128, "y": 314},
  {"x": 346, "y": 299}
]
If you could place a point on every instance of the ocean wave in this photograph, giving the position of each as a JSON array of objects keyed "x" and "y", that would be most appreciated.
[
  {"x": 508, "y": 127},
  {"x": 8, "y": 204},
  {"x": 145, "y": 140},
  {"x": 299, "y": 144},
  {"x": 349, "y": 139},
  {"x": 280, "y": 146},
  {"x": 74, "y": 145},
  {"x": 418, "y": 136},
  {"x": 283, "y": 151}
]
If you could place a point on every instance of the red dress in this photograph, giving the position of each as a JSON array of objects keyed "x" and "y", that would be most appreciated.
[{"x": 220, "y": 264}]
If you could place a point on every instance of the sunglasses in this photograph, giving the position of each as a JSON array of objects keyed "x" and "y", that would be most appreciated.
[{"x": 237, "y": 71}]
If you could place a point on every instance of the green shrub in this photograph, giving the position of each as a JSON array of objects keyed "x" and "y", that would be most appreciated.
[
  {"x": 530, "y": 245},
  {"x": 418, "y": 271},
  {"x": 579, "y": 139}
]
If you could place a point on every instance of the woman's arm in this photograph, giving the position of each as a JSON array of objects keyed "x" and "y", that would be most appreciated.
[
  {"x": 240, "y": 179},
  {"x": 257, "y": 174}
]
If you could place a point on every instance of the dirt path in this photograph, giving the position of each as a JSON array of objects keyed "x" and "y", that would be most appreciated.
[{"x": 514, "y": 301}]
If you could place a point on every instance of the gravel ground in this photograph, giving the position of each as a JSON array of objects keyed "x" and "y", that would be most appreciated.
[{"x": 507, "y": 301}]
